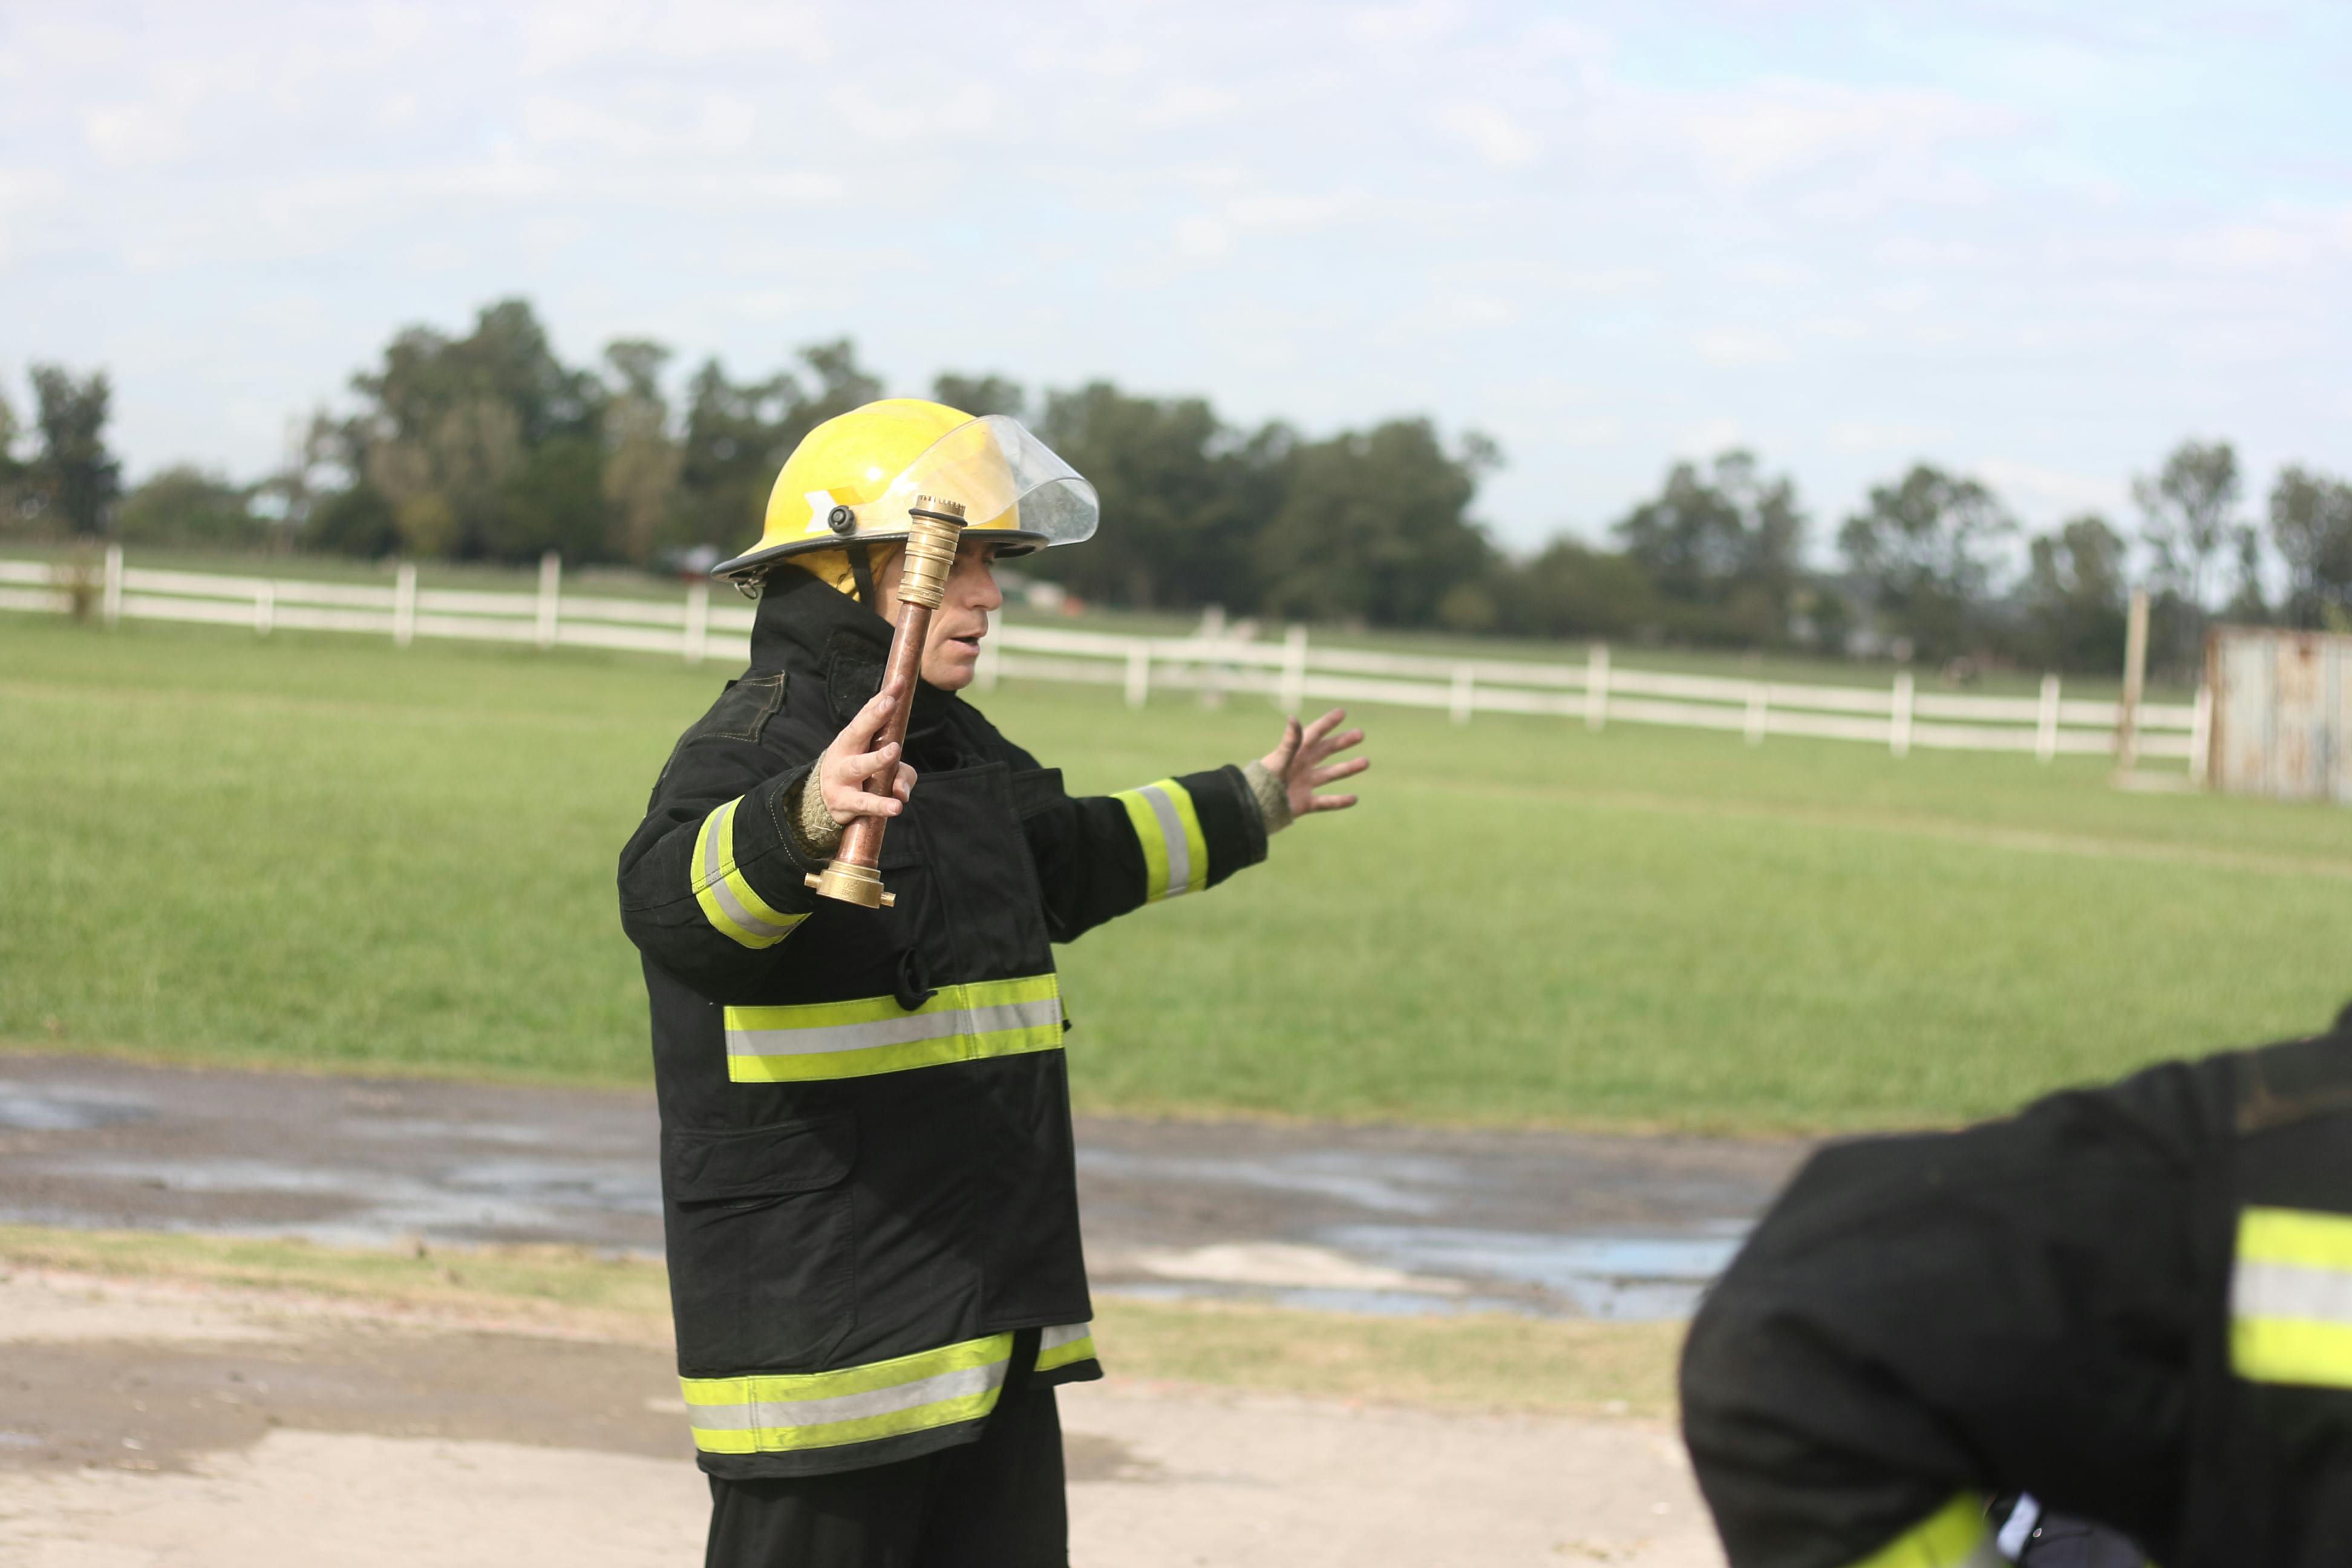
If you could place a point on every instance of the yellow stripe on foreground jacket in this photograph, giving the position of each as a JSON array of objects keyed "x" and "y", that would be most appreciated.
[
  {"x": 2291, "y": 1298},
  {"x": 857, "y": 1405},
  {"x": 1175, "y": 851},
  {"x": 1954, "y": 1536},
  {"x": 919, "y": 1392},
  {"x": 726, "y": 900},
  {"x": 874, "y": 1035}
]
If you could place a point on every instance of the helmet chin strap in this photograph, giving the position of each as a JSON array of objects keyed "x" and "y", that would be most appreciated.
[{"x": 861, "y": 573}]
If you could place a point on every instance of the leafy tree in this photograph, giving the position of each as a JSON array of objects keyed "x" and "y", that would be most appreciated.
[
  {"x": 738, "y": 436},
  {"x": 2075, "y": 596},
  {"x": 2188, "y": 517},
  {"x": 17, "y": 505},
  {"x": 1920, "y": 552},
  {"x": 641, "y": 461},
  {"x": 506, "y": 359},
  {"x": 358, "y": 521},
  {"x": 553, "y": 500},
  {"x": 2311, "y": 524},
  {"x": 1727, "y": 543},
  {"x": 980, "y": 395},
  {"x": 1180, "y": 498},
  {"x": 453, "y": 432},
  {"x": 1375, "y": 525},
  {"x": 74, "y": 475},
  {"x": 1571, "y": 591},
  {"x": 183, "y": 506}
]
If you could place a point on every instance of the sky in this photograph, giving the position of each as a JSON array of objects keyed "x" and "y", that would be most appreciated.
[{"x": 2035, "y": 244}]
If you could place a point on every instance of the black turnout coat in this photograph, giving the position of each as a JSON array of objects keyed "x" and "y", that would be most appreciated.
[{"x": 866, "y": 1155}]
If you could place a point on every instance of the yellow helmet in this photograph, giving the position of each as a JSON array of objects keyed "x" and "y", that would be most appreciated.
[{"x": 853, "y": 477}]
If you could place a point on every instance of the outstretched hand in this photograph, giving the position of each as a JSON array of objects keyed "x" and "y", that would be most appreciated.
[
  {"x": 1301, "y": 763},
  {"x": 849, "y": 767}
]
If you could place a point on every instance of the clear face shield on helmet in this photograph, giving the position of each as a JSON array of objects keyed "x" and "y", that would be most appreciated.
[{"x": 1012, "y": 486}]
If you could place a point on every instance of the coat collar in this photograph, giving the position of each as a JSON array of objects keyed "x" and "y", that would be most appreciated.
[{"x": 806, "y": 625}]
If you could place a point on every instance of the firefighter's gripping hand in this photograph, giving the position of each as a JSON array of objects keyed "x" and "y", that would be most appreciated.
[
  {"x": 1303, "y": 763},
  {"x": 852, "y": 767}
]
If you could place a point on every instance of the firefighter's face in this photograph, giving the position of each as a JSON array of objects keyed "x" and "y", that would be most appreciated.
[{"x": 961, "y": 619}]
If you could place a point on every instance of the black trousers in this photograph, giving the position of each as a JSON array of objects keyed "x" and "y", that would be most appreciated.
[
  {"x": 994, "y": 1503},
  {"x": 2042, "y": 1303}
]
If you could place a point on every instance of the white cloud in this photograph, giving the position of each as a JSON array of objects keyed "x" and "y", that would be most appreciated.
[
  {"x": 1789, "y": 126},
  {"x": 1489, "y": 132},
  {"x": 1739, "y": 346},
  {"x": 1204, "y": 239}
]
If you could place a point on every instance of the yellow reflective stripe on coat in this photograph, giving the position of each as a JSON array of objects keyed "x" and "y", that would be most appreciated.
[
  {"x": 726, "y": 898},
  {"x": 785, "y": 1414},
  {"x": 1954, "y": 1536},
  {"x": 1066, "y": 1345},
  {"x": 874, "y": 1035},
  {"x": 1175, "y": 852},
  {"x": 2291, "y": 1298}
]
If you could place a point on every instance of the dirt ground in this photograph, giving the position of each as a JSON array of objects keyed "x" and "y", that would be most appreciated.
[{"x": 200, "y": 1427}]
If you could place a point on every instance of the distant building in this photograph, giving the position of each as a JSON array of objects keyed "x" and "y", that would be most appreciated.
[{"x": 2282, "y": 713}]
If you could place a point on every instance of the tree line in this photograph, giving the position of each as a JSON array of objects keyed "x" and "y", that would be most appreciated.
[{"x": 488, "y": 447}]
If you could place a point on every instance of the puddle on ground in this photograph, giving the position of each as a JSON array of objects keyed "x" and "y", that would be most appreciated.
[
  {"x": 1377, "y": 1303},
  {"x": 478, "y": 1200},
  {"x": 1631, "y": 1277},
  {"x": 25, "y": 1108},
  {"x": 1384, "y": 1183}
]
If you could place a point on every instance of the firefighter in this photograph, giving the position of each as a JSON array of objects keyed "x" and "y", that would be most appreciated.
[
  {"x": 865, "y": 1152},
  {"x": 2132, "y": 1304}
]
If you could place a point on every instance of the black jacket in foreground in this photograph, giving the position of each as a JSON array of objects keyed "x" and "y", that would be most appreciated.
[
  {"x": 867, "y": 1172},
  {"x": 2133, "y": 1302}
]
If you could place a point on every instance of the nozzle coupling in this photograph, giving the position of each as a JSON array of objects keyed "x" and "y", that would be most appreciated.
[{"x": 933, "y": 526}]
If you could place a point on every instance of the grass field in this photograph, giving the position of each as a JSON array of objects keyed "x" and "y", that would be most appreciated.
[{"x": 317, "y": 851}]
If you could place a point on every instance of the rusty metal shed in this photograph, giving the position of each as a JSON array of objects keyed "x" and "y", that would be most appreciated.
[{"x": 2282, "y": 713}]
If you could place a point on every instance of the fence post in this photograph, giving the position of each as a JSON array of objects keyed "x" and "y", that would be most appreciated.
[
  {"x": 111, "y": 602},
  {"x": 1898, "y": 717},
  {"x": 1596, "y": 686},
  {"x": 2134, "y": 677},
  {"x": 1139, "y": 672},
  {"x": 2200, "y": 733},
  {"x": 265, "y": 607},
  {"x": 404, "y": 605},
  {"x": 1756, "y": 706},
  {"x": 986, "y": 674},
  {"x": 1293, "y": 697},
  {"x": 1464, "y": 696},
  {"x": 697, "y": 621},
  {"x": 551, "y": 580},
  {"x": 2045, "y": 723}
]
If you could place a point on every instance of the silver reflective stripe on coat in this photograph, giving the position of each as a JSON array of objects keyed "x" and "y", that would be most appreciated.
[
  {"x": 715, "y": 884},
  {"x": 903, "y": 1031},
  {"x": 770, "y": 1415},
  {"x": 1171, "y": 830}
]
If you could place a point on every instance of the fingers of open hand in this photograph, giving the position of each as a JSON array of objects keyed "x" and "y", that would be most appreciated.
[
  {"x": 1324, "y": 726},
  {"x": 1318, "y": 777},
  {"x": 1332, "y": 745},
  {"x": 1277, "y": 762},
  {"x": 1330, "y": 803}
]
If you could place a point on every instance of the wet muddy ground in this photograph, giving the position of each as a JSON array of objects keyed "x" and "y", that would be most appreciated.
[
  {"x": 161, "y": 1425},
  {"x": 1363, "y": 1218}
]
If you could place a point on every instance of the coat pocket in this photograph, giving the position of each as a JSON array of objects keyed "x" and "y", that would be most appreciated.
[{"x": 761, "y": 1227}]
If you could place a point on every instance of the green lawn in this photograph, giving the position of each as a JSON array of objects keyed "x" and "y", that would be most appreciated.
[{"x": 318, "y": 850}]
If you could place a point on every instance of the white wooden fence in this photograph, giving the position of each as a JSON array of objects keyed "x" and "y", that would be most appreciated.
[{"x": 1291, "y": 673}]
